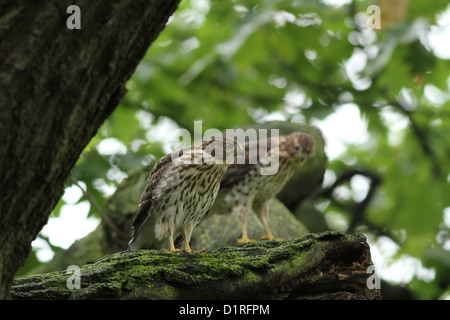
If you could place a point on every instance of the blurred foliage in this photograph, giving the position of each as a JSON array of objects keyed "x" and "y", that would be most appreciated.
[{"x": 232, "y": 63}]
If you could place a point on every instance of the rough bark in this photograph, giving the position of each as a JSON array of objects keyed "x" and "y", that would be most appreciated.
[
  {"x": 57, "y": 86},
  {"x": 329, "y": 265}
]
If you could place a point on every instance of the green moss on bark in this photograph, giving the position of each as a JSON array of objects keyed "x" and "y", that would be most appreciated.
[{"x": 259, "y": 270}]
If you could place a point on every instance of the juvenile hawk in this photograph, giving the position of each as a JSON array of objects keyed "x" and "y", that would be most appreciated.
[
  {"x": 247, "y": 188},
  {"x": 180, "y": 190}
]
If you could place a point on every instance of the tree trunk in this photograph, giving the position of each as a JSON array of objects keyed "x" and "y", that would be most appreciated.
[
  {"x": 329, "y": 265},
  {"x": 57, "y": 86}
]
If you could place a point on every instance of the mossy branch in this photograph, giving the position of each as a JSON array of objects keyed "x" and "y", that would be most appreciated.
[{"x": 328, "y": 265}]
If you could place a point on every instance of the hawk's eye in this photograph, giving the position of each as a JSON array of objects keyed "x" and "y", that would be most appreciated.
[
  {"x": 297, "y": 148},
  {"x": 229, "y": 146}
]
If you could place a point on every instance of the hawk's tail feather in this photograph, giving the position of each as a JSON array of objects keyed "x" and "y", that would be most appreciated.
[{"x": 132, "y": 244}]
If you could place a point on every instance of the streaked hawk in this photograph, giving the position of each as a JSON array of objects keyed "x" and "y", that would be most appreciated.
[
  {"x": 246, "y": 188},
  {"x": 180, "y": 190}
]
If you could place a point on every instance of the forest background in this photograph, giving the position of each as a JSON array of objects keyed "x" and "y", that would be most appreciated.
[{"x": 380, "y": 96}]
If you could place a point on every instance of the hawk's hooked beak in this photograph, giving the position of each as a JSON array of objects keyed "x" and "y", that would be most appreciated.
[{"x": 304, "y": 156}]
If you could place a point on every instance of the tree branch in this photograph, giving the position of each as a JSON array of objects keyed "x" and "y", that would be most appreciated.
[
  {"x": 98, "y": 208},
  {"x": 423, "y": 140},
  {"x": 358, "y": 209},
  {"x": 330, "y": 265}
]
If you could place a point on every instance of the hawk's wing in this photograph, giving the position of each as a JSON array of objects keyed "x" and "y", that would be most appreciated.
[
  {"x": 234, "y": 174},
  {"x": 151, "y": 193},
  {"x": 243, "y": 164}
]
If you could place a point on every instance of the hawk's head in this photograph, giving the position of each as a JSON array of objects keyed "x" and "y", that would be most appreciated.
[{"x": 300, "y": 145}]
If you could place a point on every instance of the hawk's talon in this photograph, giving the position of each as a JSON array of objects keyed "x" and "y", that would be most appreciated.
[
  {"x": 194, "y": 251},
  {"x": 245, "y": 240},
  {"x": 171, "y": 250},
  {"x": 272, "y": 238}
]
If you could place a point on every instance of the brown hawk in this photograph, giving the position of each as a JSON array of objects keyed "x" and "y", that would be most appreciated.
[
  {"x": 180, "y": 190},
  {"x": 247, "y": 188}
]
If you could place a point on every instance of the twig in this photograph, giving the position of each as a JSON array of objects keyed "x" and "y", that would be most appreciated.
[
  {"x": 423, "y": 139},
  {"x": 97, "y": 207},
  {"x": 358, "y": 209}
]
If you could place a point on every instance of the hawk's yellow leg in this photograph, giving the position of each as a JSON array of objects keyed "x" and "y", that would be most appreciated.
[
  {"x": 269, "y": 236},
  {"x": 244, "y": 238},
  {"x": 172, "y": 245},
  {"x": 187, "y": 248},
  {"x": 262, "y": 212}
]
